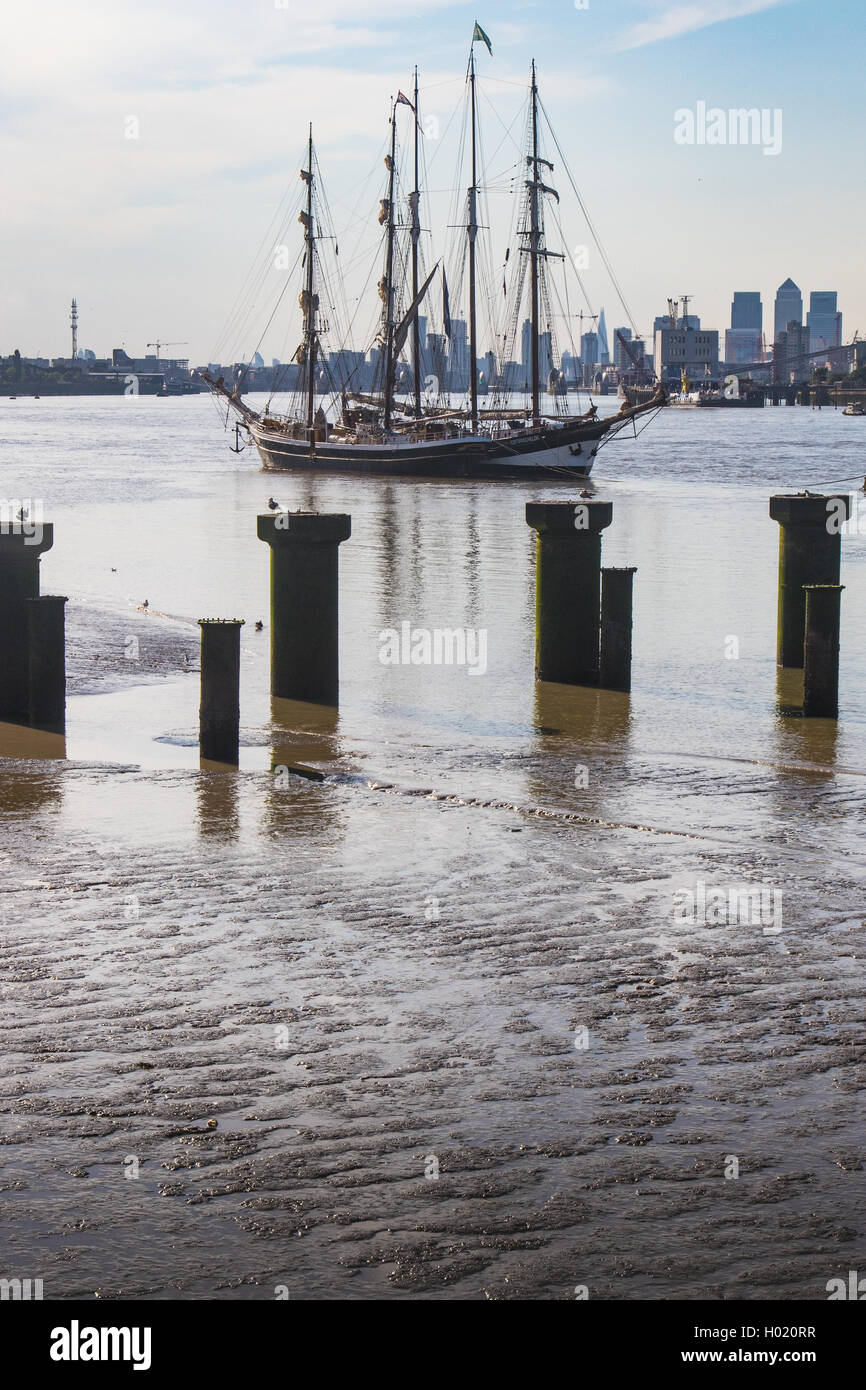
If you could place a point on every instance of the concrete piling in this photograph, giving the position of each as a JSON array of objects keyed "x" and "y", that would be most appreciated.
[
  {"x": 19, "y": 581},
  {"x": 616, "y": 627},
  {"x": 219, "y": 711},
  {"x": 46, "y": 662},
  {"x": 821, "y": 651},
  {"x": 305, "y": 603},
  {"x": 810, "y": 550},
  {"x": 568, "y": 588}
]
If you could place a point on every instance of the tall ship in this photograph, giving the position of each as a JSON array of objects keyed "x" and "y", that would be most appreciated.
[{"x": 410, "y": 422}]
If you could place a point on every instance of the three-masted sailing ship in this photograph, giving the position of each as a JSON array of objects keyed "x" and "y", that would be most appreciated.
[{"x": 397, "y": 429}]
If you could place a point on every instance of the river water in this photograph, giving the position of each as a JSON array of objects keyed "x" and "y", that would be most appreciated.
[{"x": 456, "y": 1037}]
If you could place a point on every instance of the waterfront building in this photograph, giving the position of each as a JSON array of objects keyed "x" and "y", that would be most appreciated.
[{"x": 689, "y": 348}]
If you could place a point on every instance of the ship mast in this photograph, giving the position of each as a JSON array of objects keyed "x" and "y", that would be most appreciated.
[
  {"x": 472, "y": 229},
  {"x": 389, "y": 276},
  {"x": 310, "y": 315},
  {"x": 416, "y": 236},
  {"x": 534, "y": 238}
]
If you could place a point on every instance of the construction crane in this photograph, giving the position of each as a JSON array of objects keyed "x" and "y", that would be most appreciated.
[
  {"x": 635, "y": 359},
  {"x": 672, "y": 312},
  {"x": 684, "y": 300},
  {"x": 160, "y": 344}
]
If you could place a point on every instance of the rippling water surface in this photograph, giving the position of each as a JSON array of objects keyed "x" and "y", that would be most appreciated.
[{"x": 365, "y": 984}]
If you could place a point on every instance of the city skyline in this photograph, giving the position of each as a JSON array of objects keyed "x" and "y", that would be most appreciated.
[
  {"x": 153, "y": 234},
  {"x": 745, "y": 339}
]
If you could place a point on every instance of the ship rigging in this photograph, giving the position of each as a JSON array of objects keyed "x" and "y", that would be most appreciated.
[{"x": 424, "y": 434}]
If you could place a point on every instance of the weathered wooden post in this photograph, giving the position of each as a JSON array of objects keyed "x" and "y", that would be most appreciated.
[
  {"x": 821, "y": 651},
  {"x": 20, "y": 550},
  {"x": 219, "y": 712},
  {"x": 305, "y": 662},
  {"x": 616, "y": 628},
  {"x": 810, "y": 550},
  {"x": 568, "y": 588},
  {"x": 46, "y": 662}
]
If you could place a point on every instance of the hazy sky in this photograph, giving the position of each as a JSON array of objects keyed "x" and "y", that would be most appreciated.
[{"x": 155, "y": 234}]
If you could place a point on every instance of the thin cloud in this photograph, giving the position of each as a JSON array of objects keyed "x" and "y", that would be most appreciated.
[{"x": 676, "y": 20}]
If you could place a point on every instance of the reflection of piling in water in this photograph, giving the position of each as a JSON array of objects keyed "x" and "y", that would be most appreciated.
[
  {"x": 217, "y": 797},
  {"x": 305, "y": 745},
  {"x": 46, "y": 662},
  {"x": 568, "y": 589},
  {"x": 19, "y": 581},
  {"x": 305, "y": 603},
  {"x": 821, "y": 651},
  {"x": 219, "y": 711},
  {"x": 616, "y": 625},
  {"x": 810, "y": 548}
]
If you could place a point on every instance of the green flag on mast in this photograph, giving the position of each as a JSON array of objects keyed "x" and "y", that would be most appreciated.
[{"x": 480, "y": 34}]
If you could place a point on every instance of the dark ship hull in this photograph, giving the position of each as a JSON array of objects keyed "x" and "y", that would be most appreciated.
[{"x": 554, "y": 452}]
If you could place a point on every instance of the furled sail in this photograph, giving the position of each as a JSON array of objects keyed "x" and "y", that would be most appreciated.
[{"x": 402, "y": 331}]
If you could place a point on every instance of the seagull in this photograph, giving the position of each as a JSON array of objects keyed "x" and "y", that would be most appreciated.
[
  {"x": 113, "y": 570},
  {"x": 145, "y": 604},
  {"x": 585, "y": 493},
  {"x": 274, "y": 506},
  {"x": 260, "y": 627}
]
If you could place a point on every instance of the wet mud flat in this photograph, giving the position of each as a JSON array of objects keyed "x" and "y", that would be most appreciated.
[
  {"x": 348, "y": 1043},
  {"x": 110, "y": 648}
]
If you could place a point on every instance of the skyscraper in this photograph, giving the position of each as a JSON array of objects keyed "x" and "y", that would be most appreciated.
[
  {"x": 621, "y": 358},
  {"x": 747, "y": 311},
  {"x": 526, "y": 349},
  {"x": 589, "y": 349},
  {"x": 825, "y": 324},
  {"x": 788, "y": 308},
  {"x": 790, "y": 353},
  {"x": 744, "y": 339},
  {"x": 603, "y": 347}
]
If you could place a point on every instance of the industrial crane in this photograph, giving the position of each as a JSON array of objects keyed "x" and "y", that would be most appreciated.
[
  {"x": 635, "y": 359},
  {"x": 160, "y": 344}
]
